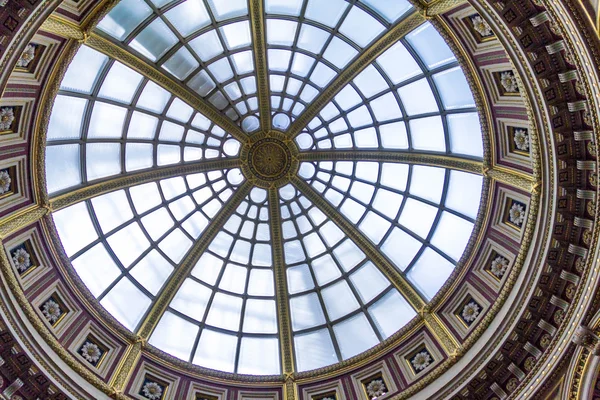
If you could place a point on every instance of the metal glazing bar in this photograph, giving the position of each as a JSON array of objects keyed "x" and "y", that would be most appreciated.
[
  {"x": 401, "y": 156},
  {"x": 257, "y": 22},
  {"x": 391, "y": 272},
  {"x": 134, "y": 179},
  {"x": 21, "y": 219},
  {"x": 283, "y": 309},
  {"x": 175, "y": 281},
  {"x": 397, "y": 32},
  {"x": 116, "y": 51}
]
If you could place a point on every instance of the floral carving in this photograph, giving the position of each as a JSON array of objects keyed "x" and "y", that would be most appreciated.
[
  {"x": 421, "y": 360},
  {"x": 51, "y": 311},
  {"x": 508, "y": 80},
  {"x": 91, "y": 352},
  {"x": 5, "y": 181},
  {"x": 499, "y": 266},
  {"x": 152, "y": 390},
  {"x": 516, "y": 214},
  {"x": 376, "y": 388},
  {"x": 21, "y": 259},
  {"x": 471, "y": 311},
  {"x": 521, "y": 139},
  {"x": 481, "y": 26},
  {"x": 7, "y": 117},
  {"x": 27, "y": 56}
]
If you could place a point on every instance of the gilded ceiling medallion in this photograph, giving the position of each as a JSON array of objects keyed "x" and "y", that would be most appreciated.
[{"x": 269, "y": 159}]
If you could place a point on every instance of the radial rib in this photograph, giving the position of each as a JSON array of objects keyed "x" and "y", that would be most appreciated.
[
  {"x": 134, "y": 179},
  {"x": 283, "y": 310},
  {"x": 116, "y": 51},
  {"x": 21, "y": 219},
  {"x": 183, "y": 270},
  {"x": 391, "y": 272},
  {"x": 396, "y": 33},
  {"x": 257, "y": 21},
  {"x": 402, "y": 156}
]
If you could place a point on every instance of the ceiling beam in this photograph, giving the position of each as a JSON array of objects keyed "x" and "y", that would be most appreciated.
[
  {"x": 281, "y": 291},
  {"x": 399, "y": 156},
  {"x": 164, "y": 297},
  {"x": 137, "y": 178},
  {"x": 257, "y": 22},
  {"x": 397, "y": 32},
  {"x": 69, "y": 30},
  {"x": 387, "y": 268}
]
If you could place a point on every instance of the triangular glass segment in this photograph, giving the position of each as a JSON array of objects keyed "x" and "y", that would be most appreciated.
[
  {"x": 224, "y": 316},
  {"x": 400, "y": 102},
  {"x": 420, "y": 217},
  {"x": 126, "y": 123},
  {"x": 309, "y": 42},
  {"x": 125, "y": 244},
  {"x": 205, "y": 44},
  {"x": 338, "y": 298}
]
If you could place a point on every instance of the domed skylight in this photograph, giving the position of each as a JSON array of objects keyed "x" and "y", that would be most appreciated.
[{"x": 204, "y": 239}]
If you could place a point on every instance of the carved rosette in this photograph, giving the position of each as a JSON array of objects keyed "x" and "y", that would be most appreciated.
[{"x": 270, "y": 159}]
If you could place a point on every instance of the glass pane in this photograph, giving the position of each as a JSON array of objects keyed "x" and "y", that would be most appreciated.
[
  {"x": 126, "y": 303},
  {"x": 192, "y": 299},
  {"x": 354, "y": 336},
  {"x": 65, "y": 120},
  {"x": 75, "y": 227},
  {"x": 153, "y": 98},
  {"x": 454, "y": 89},
  {"x": 102, "y": 160},
  {"x": 174, "y": 335},
  {"x": 314, "y": 350},
  {"x": 326, "y": 12},
  {"x": 428, "y": 134},
  {"x": 228, "y": 8},
  {"x": 124, "y": 17},
  {"x": 96, "y": 269},
  {"x": 452, "y": 234},
  {"x": 260, "y": 316},
  {"x": 216, "y": 350},
  {"x": 417, "y": 98},
  {"x": 397, "y": 62},
  {"x": 83, "y": 70},
  {"x": 389, "y": 9},
  {"x": 430, "y": 46},
  {"x": 62, "y": 167},
  {"x": 107, "y": 121},
  {"x": 207, "y": 45},
  {"x": 391, "y": 304},
  {"x": 430, "y": 272},
  {"x": 464, "y": 193},
  {"x": 112, "y": 210},
  {"x": 181, "y": 64},
  {"x": 155, "y": 40},
  {"x": 259, "y": 356},
  {"x": 361, "y": 27},
  {"x": 152, "y": 271},
  {"x": 188, "y": 17},
  {"x": 465, "y": 134},
  {"x": 120, "y": 84},
  {"x": 306, "y": 312}
]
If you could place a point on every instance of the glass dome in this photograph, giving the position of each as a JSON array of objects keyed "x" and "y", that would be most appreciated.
[{"x": 325, "y": 222}]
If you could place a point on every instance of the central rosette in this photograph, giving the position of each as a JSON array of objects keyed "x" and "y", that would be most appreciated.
[{"x": 269, "y": 159}]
